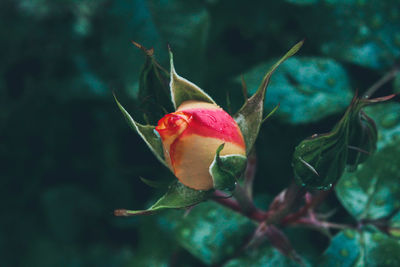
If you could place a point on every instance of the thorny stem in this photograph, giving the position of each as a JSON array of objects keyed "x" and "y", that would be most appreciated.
[{"x": 386, "y": 78}]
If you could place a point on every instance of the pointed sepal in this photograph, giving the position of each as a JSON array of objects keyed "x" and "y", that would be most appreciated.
[
  {"x": 250, "y": 116},
  {"x": 146, "y": 132},
  {"x": 177, "y": 196},
  {"x": 363, "y": 133},
  {"x": 319, "y": 161},
  {"x": 183, "y": 90},
  {"x": 153, "y": 96},
  {"x": 226, "y": 170}
]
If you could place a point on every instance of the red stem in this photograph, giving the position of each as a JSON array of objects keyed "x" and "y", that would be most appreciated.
[
  {"x": 315, "y": 201},
  {"x": 255, "y": 214}
]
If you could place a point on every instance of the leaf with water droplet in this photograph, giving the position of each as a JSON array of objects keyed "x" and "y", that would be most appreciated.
[
  {"x": 264, "y": 256},
  {"x": 307, "y": 88},
  {"x": 361, "y": 32},
  {"x": 209, "y": 231},
  {"x": 374, "y": 188},
  {"x": 367, "y": 247}
]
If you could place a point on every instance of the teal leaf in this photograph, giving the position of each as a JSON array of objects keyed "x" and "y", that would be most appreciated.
[
  {"x": 147, "y": 133},
  {"x": 373, "y": 190},
  {"x": 209, "y": 231},
  {"x": 177, "y": 196},
  {"x": 368, "y": 247},
  {"x": 183, "y": 90},
  {"x": 226, "y": 170},
  {"x": 387, "y": 119},
  {"x": 264, "y": 256},
  {"x": 364, "y": 33},
  {"x": 250, "y": 116},
  {"x": 307, "y": 88}
]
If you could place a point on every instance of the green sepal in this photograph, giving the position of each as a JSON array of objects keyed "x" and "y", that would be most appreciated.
[
  {"x": 178, "y": 196},
  {"x": 226, "y": 170},
  {"x": 183, "y": 90},
  {"x": 147, "y": 133},
  {"x": 153, "y": 93},
  {"x": 155, "y": 184},
  {"x": 250, "y": 116},
  {"x": 319, "y": 161},
  {"x": 363, "y": 133},
  {"x": 363, "y": 138}
]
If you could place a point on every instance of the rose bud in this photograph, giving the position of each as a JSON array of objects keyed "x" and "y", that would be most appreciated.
[
  {"x": 363, "y": 138},
  {"x": 191, "y": 136},
  {"x": 319, "y": 161}
]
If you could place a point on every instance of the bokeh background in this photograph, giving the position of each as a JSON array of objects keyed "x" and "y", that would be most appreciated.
[{"x": 68, "y": 159}]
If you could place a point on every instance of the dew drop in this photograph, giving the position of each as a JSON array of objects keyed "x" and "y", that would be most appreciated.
[
  {"x": 349, "y": 234},
  {"x": 347, "y": 183},
  {"x": 331, "y": 81},
  {"x": 344, "y": 252},
  {"x": 185, "y": 232},
  {"x": 212, "y": 214}
]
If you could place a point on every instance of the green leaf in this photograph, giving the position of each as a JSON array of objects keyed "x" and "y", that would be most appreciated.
[
  {"x": 307, "y": 88},
  {"x": 264, "y": 256},
  {"x": 209, "y": 231},
  {"x": 184, "y": 90},
  {"x": 387, "y": 119},
  {"x": 147, "y": 133},
  {"x": 226, "y": 170},
  {"x": 363, "y": 32},
  {"x": 368, "y": 247},
  {"x": 250, "y": 116},
  {"x": 373, "y": 190},
  {"x": 178, "y": 196}
]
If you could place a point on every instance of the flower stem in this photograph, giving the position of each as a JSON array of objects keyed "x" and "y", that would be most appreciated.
[{"x": 254, "y": 213}]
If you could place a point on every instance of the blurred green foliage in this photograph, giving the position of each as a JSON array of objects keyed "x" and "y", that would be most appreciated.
[{"x": 68, "y": 159}]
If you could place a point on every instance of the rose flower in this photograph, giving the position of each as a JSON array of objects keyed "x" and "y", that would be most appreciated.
[{"x": 190, "y": 137}]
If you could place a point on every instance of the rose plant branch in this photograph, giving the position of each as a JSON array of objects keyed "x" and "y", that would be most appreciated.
[
  {"x": 386, "y": 78},
  {"x": 212, "y": 155}
]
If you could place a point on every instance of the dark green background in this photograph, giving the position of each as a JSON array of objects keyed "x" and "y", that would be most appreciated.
[{"x": 67, "y": 157}]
